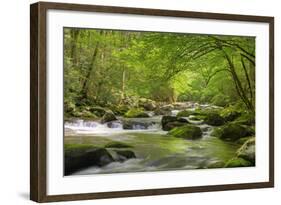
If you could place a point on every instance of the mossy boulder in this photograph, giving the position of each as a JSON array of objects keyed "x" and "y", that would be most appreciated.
[
  {"x": 187, "y": 132},
  {"x": 238, "y": 162},
  {"x": 135, "y": 124},
  {"x": 115, "y": 144},
  {"x": 172, "y": 125},
  {"x": 125, "y": 154},
  {"x": 78, "y": 156},
  {"x": 170, "y": 122},
  {"x": 214, "y": 119},
  {"x": 233, "y": 131},
  {"x": 247, "y": 150},
  {"x": 108, "y": 117},
  {"x": 136, "y": 113}
]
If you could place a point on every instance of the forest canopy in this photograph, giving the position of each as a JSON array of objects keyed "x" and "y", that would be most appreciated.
[{"x": 107, "y": 67}]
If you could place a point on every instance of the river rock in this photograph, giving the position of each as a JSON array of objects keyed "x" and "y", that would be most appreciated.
[
  {"x": 134, "y": 124},
  {"x": 125, "y": 154},
  {"x": 187, "y": 132},
  {"x": 214, "y": 119},
  {"x": 108, "y": 117},
  {"x": 233, "y": 131},
  {"x": 80, "y": 156},
  {"x": 136, "y": 113},
  {"x": 170, "y": 122}
]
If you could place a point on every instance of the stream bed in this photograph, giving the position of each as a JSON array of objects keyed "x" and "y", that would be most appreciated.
[{"x": 154, "y": 149}]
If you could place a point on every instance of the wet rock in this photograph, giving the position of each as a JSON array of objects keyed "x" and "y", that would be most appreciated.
[
  {"x": 125, "y": 154},
  {"x": 134, "y": 125},
  {"x": 214, "y": 119},
  {"x": 171, "y": 125},
  {"x": 81, "y": 156},
  {"x": 186, "y": 132},
  {"x": 170, "y": 122}
]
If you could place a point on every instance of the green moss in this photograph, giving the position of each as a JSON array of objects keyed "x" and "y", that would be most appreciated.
[
  {"x": 186, "y": 132},
  {"x": 136, "y": 113},
  {"x": 115, "y": 144},
  {"x": 233, "y": 131},
  {"x": 238, "y": 162}
]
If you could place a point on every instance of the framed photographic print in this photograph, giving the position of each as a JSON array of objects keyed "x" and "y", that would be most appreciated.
[{"x": 134, "y": 102}]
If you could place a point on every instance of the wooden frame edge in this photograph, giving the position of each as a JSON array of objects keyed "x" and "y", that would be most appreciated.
[{"x": 38, "y": 174}]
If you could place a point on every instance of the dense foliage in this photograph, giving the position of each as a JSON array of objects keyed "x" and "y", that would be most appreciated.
[{"x": 105, "y": 68}]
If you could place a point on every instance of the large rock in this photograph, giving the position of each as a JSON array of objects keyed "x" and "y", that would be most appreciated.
[
  {"x": 233, "y": 131},
  {"x": 170, "y": 122},
  {"x": 214, "y": 119},
  {"x": 187, "y": 132},
  {"x": 81, "y": 156},
  {"x": 136, "y": 113},
  {"x": 108, "y": 117},
  {"x": 132, "y": 124},
  {"x": 125, "y": 154},
  {"x": 247, "y": 150}
]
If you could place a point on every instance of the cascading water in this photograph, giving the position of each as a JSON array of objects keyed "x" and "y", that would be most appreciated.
[{"x": 154, "y": 149}]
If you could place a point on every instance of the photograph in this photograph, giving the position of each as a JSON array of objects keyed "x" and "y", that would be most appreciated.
[{"x": 143, "y": 101}]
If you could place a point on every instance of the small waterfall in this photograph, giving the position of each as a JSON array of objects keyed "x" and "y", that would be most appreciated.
[{"x": 151, "y": 124}]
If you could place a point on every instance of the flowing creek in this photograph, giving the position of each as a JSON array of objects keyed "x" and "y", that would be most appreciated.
[{"x": 154, "y": 150}]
